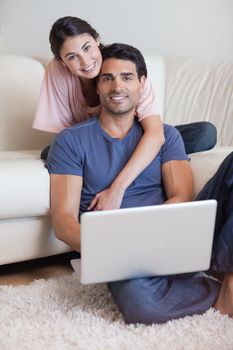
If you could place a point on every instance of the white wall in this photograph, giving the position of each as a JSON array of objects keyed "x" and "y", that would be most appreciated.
[{"x": 182, "y": 27}]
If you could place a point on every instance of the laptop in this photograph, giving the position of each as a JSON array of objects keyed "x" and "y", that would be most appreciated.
[{"x": 146, "y": 241}]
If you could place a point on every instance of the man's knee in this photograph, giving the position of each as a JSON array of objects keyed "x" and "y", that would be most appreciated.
[
  {"x": 141, "y": 300},
  {"x": 209, "y": 134},
  {"x": 198, "y": 136}
]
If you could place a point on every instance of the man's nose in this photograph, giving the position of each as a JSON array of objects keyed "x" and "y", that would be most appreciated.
[{"x": 116, "y": 85}]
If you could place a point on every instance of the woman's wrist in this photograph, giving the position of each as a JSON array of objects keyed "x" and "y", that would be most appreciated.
[{"x": 118, "y": 188}]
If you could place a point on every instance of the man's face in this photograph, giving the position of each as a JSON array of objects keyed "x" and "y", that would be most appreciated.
[{"x": 119, "y": 86}]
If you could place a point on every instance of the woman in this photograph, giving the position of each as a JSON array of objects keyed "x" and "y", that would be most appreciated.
[{"x": 68, "y": 96}]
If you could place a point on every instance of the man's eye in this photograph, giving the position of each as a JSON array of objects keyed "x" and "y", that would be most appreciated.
[
  {"x": 106, "y": 79},
  {"x": 127, "y": 78}
]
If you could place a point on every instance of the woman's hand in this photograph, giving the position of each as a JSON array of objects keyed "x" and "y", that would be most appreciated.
[{"x": 108, "y": 199}]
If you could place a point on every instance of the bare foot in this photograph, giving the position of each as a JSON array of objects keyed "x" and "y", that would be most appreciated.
[{"x": 224, "y": 302}]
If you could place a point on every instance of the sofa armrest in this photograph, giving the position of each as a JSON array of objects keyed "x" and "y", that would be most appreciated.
[{"x": 20, "y": 84}]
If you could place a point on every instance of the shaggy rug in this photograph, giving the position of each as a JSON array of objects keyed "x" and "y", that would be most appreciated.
[{"x": 61, "y": 314}]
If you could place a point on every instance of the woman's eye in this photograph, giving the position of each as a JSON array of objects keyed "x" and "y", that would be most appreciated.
[
  {"x": 87, "y": 48},
  {"x": 71, "y": 58}
]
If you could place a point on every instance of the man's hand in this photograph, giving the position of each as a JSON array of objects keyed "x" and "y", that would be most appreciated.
[{"x": 108, "y": 199}]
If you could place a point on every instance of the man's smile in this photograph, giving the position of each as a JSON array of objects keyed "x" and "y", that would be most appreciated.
[{"x": 118, "y": 97}]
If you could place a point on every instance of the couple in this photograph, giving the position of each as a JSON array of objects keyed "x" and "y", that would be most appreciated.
[
  {"x": 68, "y": 96},
  {"x": 86, "y": 158}
]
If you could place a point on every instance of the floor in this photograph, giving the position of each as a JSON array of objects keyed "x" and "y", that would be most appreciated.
[{"x": 26, "y": 272}]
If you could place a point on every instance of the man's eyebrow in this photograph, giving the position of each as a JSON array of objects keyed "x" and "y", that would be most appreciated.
[
  {"x": 122, "y": 74},
  {"x": 127, "y": 73},
  {"x": 105, "y": 75}
]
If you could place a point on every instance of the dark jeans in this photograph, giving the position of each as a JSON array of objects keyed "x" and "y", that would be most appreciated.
[
  {"x": 197, "y": 137},
  {"x": 159, "y": 299}
]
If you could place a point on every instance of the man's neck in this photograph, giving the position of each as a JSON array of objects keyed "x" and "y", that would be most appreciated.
[{"x": 116, "y": 126}]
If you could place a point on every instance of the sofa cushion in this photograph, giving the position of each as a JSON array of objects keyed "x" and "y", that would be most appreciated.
[
  {"x": 24, "y": 188},
  {"x": 200, "y": 89},
  {"x": 156, "y": 73},
  {"x": 27, "y": 154},
  {"x": 205, "y": 164},
  {"x": 24, "y": 184}
]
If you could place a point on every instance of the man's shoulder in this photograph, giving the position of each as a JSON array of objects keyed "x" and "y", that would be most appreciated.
[
  {"x": 79, "y": 128},
  {"x": 169, "y": 128},
  {"x": 173, "y": 147},
  {"x": 86, "y": 124},
  {"x": 170, "y": 131},
  {"x": 75, "y": 139}
]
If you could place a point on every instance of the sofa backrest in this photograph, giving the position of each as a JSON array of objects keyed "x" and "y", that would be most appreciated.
[
  {"x": 20, "y": 81},
  {"x": 187, "y": 90},
  {"x": 156, "y": 73},
  {"x": 200, "y": 89}
]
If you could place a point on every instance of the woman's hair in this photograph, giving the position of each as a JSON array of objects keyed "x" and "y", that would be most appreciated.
[
  {"x": 65, "y": 27},
  {"x": 128, "y": 53}
]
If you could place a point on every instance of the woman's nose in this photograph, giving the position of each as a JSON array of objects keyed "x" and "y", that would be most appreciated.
[{"x": 83, "y": 60}]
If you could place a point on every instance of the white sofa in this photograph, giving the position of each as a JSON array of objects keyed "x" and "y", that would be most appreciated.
[{"x": 188, "y": 89}]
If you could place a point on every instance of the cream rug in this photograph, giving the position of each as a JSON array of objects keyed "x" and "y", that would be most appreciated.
[{"x": 61, "y": 314}]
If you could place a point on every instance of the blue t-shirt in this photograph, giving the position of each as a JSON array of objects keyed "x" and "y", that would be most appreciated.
[{"x": 87, "y": 150}]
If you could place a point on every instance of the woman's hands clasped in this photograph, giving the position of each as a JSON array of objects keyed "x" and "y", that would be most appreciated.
[{"x": 110, "y": 198}]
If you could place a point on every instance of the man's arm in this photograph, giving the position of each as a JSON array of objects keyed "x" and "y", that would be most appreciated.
[
  {"x": 178, "y": 181},
  {"x": 65, "y": 201}
]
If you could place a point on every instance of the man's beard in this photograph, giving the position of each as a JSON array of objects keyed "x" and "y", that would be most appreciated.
[{"x": 120, "y": 111}]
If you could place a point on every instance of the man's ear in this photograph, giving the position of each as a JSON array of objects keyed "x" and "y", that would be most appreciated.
[{"x": 142, "y": 81}]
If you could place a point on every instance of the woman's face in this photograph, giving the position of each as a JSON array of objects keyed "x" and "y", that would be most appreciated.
[{"x": 82, "y": 56}]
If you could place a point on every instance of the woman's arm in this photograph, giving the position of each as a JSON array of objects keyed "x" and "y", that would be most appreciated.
[{"x": 145, "y": 152}]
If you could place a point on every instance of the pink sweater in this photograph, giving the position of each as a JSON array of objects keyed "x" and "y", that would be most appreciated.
[{"x": 61, "y": 103}]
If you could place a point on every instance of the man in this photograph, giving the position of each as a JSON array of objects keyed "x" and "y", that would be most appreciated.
[{"x": 85, "y": 159}]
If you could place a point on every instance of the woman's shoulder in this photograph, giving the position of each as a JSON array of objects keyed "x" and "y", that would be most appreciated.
[{"x": 55, "y": 67}]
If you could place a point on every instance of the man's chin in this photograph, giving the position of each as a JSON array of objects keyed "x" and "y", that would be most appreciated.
[{"x": 119, "y": 111}]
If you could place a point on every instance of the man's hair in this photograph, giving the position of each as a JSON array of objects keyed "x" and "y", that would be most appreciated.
[
  {"x": 65, "y": 27},
  {"x": 127, "y": 53}
]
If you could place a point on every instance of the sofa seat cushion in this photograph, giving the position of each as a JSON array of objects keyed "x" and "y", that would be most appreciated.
[
  {"x": 24, "y": 154},
  {"x": 24, "y": 184},
  {"x": 205, "y": 164},
  {"x": 24, "y": 188}
]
